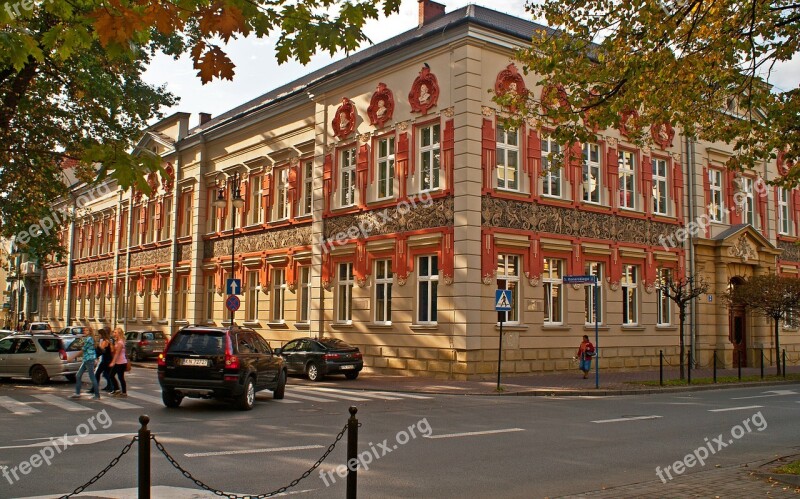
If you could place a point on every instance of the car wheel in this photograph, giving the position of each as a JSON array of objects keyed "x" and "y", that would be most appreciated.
[
  {"x": 312, "y": 372},
  {"x": 135, "y": 357},
  {"x": 280, "y": 389},
  {"x": 170, "y": 398},
  {"x": 39, "y": 375},
  {"x": 351, "y": 375},
  {"x": 71, "y": 377},
  {"x": 248, "y": 398}
]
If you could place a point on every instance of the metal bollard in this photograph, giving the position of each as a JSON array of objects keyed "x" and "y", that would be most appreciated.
[
  {"x": 715, "y": 366},
  {"x": 144, "y": 458},
  {"x": 352, "y": 454},
  {"x": 661, "y": 367}
]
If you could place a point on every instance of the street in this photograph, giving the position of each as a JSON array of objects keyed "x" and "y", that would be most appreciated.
[{"x": 413, "y": 444}]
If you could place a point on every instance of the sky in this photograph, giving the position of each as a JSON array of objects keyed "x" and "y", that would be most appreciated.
[{"x": 257, "y": 71}]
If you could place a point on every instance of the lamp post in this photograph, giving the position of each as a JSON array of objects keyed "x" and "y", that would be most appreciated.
[
  {"x": 232, "y": 182},
  {"x": 17, "y": 256}
]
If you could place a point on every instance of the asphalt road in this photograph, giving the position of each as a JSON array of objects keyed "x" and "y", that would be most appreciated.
[{"x": 419, "y": 445}]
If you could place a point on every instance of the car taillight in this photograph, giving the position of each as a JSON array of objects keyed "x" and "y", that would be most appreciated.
[
  {"x": 143, "y": 343},
  {"x": 357, "y": 355},
  {"x": 231, "y": 361},
  {"x": 162, "y": 360},
  {"x": 62, "y": 354},
  {"x": 331, "y": 356}
]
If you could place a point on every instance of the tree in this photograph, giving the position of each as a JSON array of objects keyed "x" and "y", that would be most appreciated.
[
  {"x": 71, "y": 89},
  {"x": 682, "y": 291},
  {"x": 702, "y": 66},
  {"x": 771, "y": 296}
]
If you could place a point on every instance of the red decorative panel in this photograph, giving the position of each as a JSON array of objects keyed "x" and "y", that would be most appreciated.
[
  {"x": 159, "y": 207},
  {"x": 707, "y": 190},
  {"x": 400, "y": 263},
  {"x": 647, "y": 183},
  {"x": 381, "y": 106},
  {"x": 761, "y": 200},
  {"x": 553, "y": 97},
  {"x": 448, "y": 153},
  {"x": 402, "y": 163},
  {"x": 615, "y": 267},
  {"x": 612, "y": 170},
  {"x": 533, "y": 166},
  {"x": 143, "y": 218},
  {"x": 509, "y": 81},
  {"x": 344, "y": 121},
  {"x": 291, "y": 272},
  {"x": 424, "y": 91},
  {"x": 488, "y": 257},
  {"x": 730, "y": 183},
  {"x": 168, "y": 180},
  {"x": 677, "y": 184},
  {"x": 628, "y": 123},
  {"x": 575, "y": 166},
  {"x": 362, "y": 173},
  {"x": 361, "y": 264},
  {"x": 796, "y": 206},
  {"x": 447, "y": 261},
  {"x": 662, "y": 134},
  {"x": 488, "y": 153},
  {"x": 327, "y": 181},
  {"x": 152, "y": 183}
]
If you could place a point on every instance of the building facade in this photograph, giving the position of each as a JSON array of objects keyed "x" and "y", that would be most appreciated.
[{"x": 384, "y": 203}]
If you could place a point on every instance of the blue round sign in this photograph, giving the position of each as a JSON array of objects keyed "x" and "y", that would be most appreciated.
[{"x": 233, "y": 303}]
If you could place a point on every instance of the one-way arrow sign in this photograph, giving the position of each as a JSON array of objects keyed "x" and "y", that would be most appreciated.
[{"x": 233, "y": 286}]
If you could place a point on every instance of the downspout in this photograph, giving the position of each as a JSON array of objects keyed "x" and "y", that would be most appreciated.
[
  {"x": 692, "y": 217},
  {"x": 68, "y": 288},
  {"x": 321, "y": 318}
]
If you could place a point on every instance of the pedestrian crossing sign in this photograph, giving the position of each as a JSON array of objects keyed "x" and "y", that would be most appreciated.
[{"x": 502, "y": 300}]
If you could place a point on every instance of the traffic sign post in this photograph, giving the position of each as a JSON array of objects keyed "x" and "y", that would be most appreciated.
[
  {"x": 502, "y": 303},
  {"x": 591, "y": 280},
  {"x": 233, "y": 303},
  {"x": 233, "y": 286}
]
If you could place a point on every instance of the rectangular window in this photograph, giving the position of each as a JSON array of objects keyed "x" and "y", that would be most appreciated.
[
  {"x": 344, "y": 294},
  {"x": 428, "y": 289},
  {"x": 216, "y": 221},
  {"x": 347, "y": 173},
  {"x": 305, "y": 294},
  {"x": 659, "y": 186},
  {"x": 784, "y": 219},
  {"x": 383, "y": 291},
  {"x": 166, "y": 216},
  {"x": 254, "y": 215},
  {"x": 123, "y": 229},
  {"x": 211, "y": 292},
  {"x": 663, "y": 312},
  {"x": 749, "y": 214},
  {"x": 102, "y": 297},
  {"x": 429, "y": 157},
  {"x": 308, "y": 187},
  {"x": 147, "y": 299},
  {"x": 593, "y": 306},
  {"x": 183, "y": 298},
  {"x": 508, "y": 278},
  {"x": 151, "y": 222},
  {"x": 186, "y": 214},
  {"x": 385, "y": 162},
  {"x": 109, "y": 234},
  {"x": 163, "y": 294},
  {"x": 81, "y": 304},
  {"x": 507, "y": 159},
  {"x": 551, "y": 175},
  {"x": 281, "y": 194},
  {"x": 92, "y": 301},
  {"x": 630, "y": 295},
  {"x": 132, "y": 295},
  {"x": 627, "y": 180},
  {"x": 278, "y": 295},
  {"x": 716, "y": 208},
  {"x": 251, "y": 297},
  {"x": 553, "y": 291},
  {"x": 591, "y": 173}
]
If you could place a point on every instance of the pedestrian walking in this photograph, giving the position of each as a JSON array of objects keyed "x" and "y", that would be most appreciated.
[
  {"x": 119, "y": 364},
  {"x": 104, "y": 366},
  {"x": 89, "y": 359},
  {"x": 585, "y": 354}
]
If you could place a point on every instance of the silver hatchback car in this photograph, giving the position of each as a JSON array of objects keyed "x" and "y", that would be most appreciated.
[{"x": 35, "y": 356}]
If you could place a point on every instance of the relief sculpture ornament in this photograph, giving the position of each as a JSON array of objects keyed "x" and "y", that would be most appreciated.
[
  {"x": 742, "y": 249},
  {"x": 381, "y": 106}
]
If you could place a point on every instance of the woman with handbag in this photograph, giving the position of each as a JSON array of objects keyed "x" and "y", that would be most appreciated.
[
  {"x": 119, "y": 364},
  {"x": 585, "y": 354},
  {"x": 103, "y": 368}
]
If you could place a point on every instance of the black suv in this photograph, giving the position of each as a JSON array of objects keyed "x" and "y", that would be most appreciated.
[{"x": 220, "y": 363}]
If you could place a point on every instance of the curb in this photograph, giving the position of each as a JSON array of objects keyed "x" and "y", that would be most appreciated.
[{"x": 793, "y": 480}]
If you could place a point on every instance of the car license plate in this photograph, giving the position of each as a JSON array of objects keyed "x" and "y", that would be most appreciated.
[
  {"x": 348, "y": 367},
  {"x": 195, "y": 362}
]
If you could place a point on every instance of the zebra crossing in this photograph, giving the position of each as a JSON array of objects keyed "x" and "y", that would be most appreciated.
[{"x": 21, "y": 405}]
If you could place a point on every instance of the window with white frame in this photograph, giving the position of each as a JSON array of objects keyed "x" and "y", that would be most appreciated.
[
  {"x": 166, "y": 216},
  {"x": 344, "y": 294},
  {"x": 186, "y": 214},
  {"x": 162, "y": 300},
  {"x": 215, "y": 222},
  {"x": 211, "y": 292},
  {"x": 429, "y": 147},
  {"x": 255, "y": 213},
  {"x": 790, "y": 319},
  {"x": 593, "y": 305},
  {"x": 627, "y": 180},
  {"x": 385, "y": 166},
  {"x": 507, "y": 159},
  {"x": 427, "y": 289},
  {"x": 151, "y": 222},
  {"x": 591, "y": 173},
  {"x": 81, "y": 303},
  {"x": 716, "y": 209},
  {"x": 383, "y": 291},
  {"x": 347, "y": 172},
  {"x": 132, "y": 295},
  {"x": 664, "y": 307},
  {"x": 281, "y": 193},
  {"x": 251, "y": 296},
  {"x": 551, "y": 176},
  {"x": 749, "y": 205},
  {"x": 660, "y": 206},
  {"x": 308, "y": 187},
  {"x": 630, "y": 295},
  {"x": 305, "y": 294},
  {"x": 147, "y": 299},
  {"x": 278, "y": 295},
  {"x": 508, "y": 278},
  {"x": 553, "y": 287},
  {"x": 183, "y": 298},
  {"x": 784, "y": 219}
]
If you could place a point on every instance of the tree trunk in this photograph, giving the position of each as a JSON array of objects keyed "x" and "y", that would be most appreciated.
[
  {"x": 777, "y": 344},
  {"x": 682, "y": 316}
]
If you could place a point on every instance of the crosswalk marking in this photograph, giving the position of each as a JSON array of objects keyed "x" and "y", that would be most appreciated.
[
  {"x": 284, "y": 401},
  {"x": 326, "y": 391},
  {"x": 146, "y": 398},
  {"x": 118, "y": 404},
  {"x": 307, "y": 397},
  {"x": 340, "y": 396},
  {"x": 16, "y": 407},
  {"x": 404, "y": 395},
  {"x": 62, "y": 403}
]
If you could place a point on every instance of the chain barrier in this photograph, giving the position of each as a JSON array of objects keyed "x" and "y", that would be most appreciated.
[
  {"x": 218, "y": 492},
  {"x": 98, "y": 476}
]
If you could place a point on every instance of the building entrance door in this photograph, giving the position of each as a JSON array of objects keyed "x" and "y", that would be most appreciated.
[{"x": 738, "y": 336}]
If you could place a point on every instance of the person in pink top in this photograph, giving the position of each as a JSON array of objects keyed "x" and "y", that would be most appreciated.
[{"x": 119, "y": 364}]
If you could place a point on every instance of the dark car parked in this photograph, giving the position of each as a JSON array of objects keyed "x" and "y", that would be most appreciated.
[
  {"x": 317, "y": 357},
  {"x": 140, "y": 345},
  {"x": 219, "y": 363}
]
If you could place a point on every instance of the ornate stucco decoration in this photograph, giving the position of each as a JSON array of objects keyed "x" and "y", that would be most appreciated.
[
  {"x": 424, "y": 91},
  {"x": 168, "y": 180},
  {"x": 252, "y": 243},
  {"x": 487, "y": 111},
  {"x": 743, "y": 249},
  {"x": 449, "y": 112},
  {"x": 381, "y": 106},
  {"x": 509, "y": 81},
  {"x": 533, "y": 280},
  {"x": 662, "y": 134},
  {"x": 344, "y": 121},
  {"x": 400, "y": 218},
  {"x": 628, "y": 122}
]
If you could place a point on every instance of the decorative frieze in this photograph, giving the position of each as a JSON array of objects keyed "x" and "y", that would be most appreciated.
[
  {"x": 185, "y": 252},
  {"x": 156, "y": 256},
  {"x": 791, "y": 251},
  {"x": 401, "y": 218},
  {"x": 93, "y": 267},
  {"x": 262, "y": 241},
  {"x": 55, "y": 272}
]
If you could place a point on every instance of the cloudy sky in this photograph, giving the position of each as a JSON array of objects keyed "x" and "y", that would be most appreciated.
[{"x": 257, "y": 72}]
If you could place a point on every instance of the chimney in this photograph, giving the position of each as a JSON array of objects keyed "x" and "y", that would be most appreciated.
[
  {"x": 205, "y": 118},
  {"x": 429, "y": 11}
]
